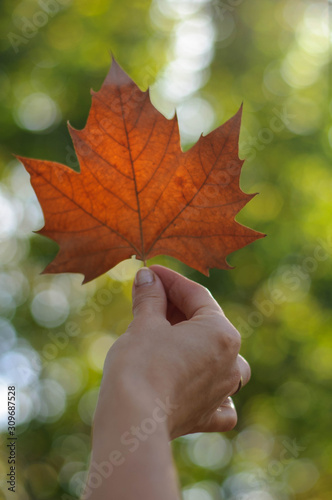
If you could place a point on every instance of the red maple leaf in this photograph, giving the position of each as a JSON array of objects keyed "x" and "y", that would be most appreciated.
[{"x": 137, "y": 193}]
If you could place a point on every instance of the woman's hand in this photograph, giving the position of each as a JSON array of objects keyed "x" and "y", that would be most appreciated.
[
  {"x": 179, "y": 348},
  {"x": 169, "y": 374}
]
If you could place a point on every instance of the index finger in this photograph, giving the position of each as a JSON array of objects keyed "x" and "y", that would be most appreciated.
[{"x": 189, "y": 297}]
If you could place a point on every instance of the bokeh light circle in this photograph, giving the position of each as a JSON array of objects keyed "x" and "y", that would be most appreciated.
[
  {"x": 37, "y": 112},
  {"x": 50, "y": 308}
]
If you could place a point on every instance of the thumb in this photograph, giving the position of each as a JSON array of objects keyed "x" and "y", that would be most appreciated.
[{"x": 149, "y": 297}]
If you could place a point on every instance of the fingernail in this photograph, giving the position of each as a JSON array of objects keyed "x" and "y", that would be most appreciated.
[{"x": 144, "y": 276}]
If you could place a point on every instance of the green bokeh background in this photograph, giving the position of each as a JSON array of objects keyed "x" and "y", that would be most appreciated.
[{"x": 203, "y": 57}]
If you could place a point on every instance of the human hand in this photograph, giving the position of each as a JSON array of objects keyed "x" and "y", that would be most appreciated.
[{"x": 179, "y": 347}]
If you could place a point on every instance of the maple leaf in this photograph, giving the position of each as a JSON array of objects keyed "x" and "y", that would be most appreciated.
[{"x": 137, "y": 192}]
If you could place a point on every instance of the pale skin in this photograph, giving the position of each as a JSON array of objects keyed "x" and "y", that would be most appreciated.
[{"x": 171, "y": 373}]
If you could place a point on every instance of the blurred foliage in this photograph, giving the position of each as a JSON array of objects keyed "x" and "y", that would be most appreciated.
[{"x": 204, "y": 58}]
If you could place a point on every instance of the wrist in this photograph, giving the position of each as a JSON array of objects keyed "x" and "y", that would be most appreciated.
[
  {"x": 130, "y": 437},
  {"x": 131, "y": 404}
]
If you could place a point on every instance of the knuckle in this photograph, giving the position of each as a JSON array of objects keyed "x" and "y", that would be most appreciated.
[
  {"x": 143, "y": 302},
  {"x": 234, "y": 340},
  {"x": 229, "y": 339}
]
